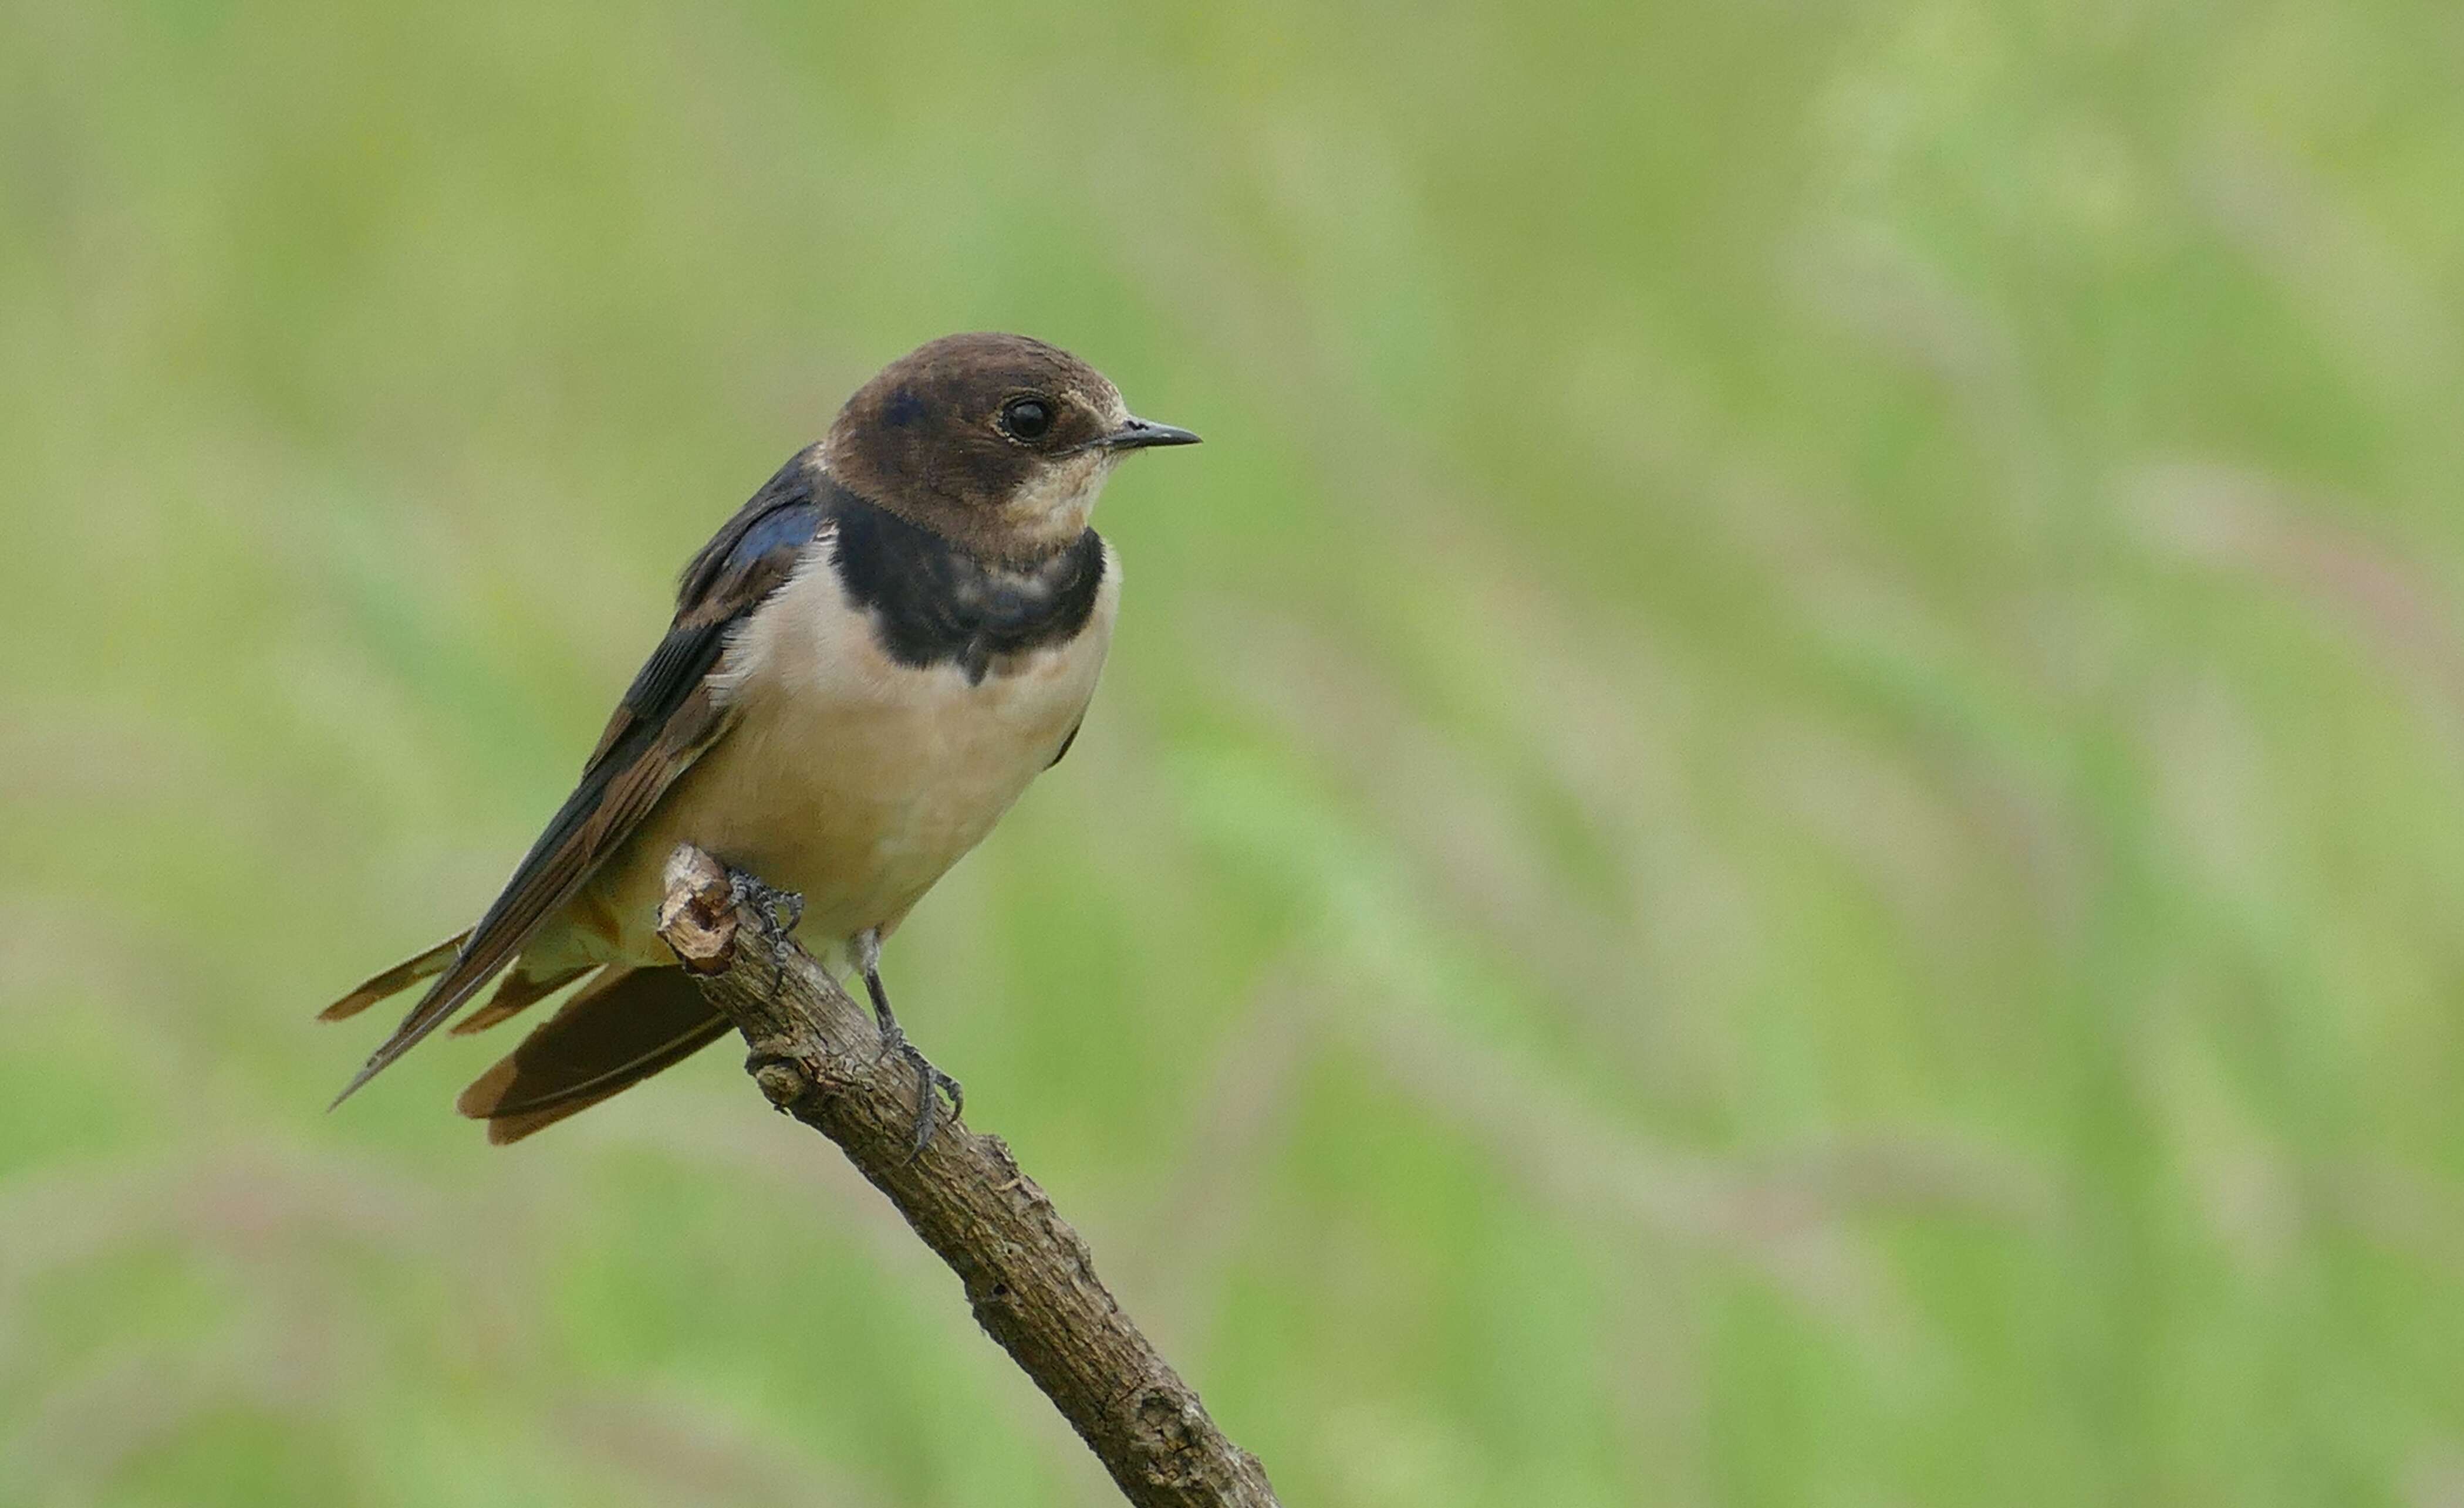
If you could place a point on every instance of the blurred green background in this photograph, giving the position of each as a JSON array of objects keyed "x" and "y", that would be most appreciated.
[{"x": 1780, "y": 818}]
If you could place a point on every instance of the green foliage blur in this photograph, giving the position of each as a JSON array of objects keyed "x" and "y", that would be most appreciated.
[{"x": 1778, "y": 820}]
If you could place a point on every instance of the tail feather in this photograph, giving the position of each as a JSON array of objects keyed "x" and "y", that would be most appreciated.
[
  {"x": 398, "y": 978},
  {"x": 517, "y": 992},
  {"x": 621, "y": 1028}
]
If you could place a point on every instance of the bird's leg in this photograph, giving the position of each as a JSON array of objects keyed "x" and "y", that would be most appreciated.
[{"x": 867, "y": 947}]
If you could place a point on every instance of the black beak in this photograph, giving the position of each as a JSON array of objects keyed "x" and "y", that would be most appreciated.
[{"x": 1140, "y": 433}]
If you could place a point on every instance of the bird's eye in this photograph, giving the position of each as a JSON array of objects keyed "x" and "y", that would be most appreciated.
[{"x": 1027, "y": 418}]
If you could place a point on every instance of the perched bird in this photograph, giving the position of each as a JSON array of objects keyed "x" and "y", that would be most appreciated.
[{"x": 868, "y": 663}]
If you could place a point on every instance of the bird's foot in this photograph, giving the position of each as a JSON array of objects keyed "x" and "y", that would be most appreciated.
[
  {"x": 780, "y": 908},
  {"x": 930, "y": 1082}
]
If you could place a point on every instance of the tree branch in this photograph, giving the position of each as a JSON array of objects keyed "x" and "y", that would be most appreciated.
[{"x": 1029, "y": 1279}]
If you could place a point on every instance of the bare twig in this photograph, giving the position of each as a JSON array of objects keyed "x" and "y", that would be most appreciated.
[{"x": 1029, "y": 1279}]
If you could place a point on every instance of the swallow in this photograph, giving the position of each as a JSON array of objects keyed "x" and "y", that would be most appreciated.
[{"x": 868, "y": 663}]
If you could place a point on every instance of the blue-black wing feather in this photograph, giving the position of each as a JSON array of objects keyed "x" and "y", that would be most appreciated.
[{"x": 668, "y": 718}]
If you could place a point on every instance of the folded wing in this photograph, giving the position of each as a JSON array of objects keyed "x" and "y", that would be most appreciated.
[{"x": 673, "y": 713}]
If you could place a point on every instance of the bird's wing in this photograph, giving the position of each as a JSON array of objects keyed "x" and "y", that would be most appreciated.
[{"x": 671, "y": 714}]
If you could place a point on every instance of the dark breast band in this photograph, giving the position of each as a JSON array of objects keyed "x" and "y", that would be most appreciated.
[{"x": 934, "y": 603}]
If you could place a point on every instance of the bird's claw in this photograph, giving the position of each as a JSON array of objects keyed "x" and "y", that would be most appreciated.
[
  {"x": 782, "y": 909},
  {"x": 930, "y": 1083},
  {"x": 779, "y": 909}
]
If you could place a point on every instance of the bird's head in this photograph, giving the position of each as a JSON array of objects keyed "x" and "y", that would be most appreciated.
[{"x": 995, "y": 442}]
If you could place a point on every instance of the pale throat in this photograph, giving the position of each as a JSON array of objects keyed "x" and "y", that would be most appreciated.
[{"x": 1053, "y": 508}]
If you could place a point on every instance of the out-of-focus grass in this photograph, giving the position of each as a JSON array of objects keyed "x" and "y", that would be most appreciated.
[{"x": 1781, "y": 817}]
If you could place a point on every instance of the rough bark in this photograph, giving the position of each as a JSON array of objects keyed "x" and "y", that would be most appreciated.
[{"x": 1028, "y": 1277}]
